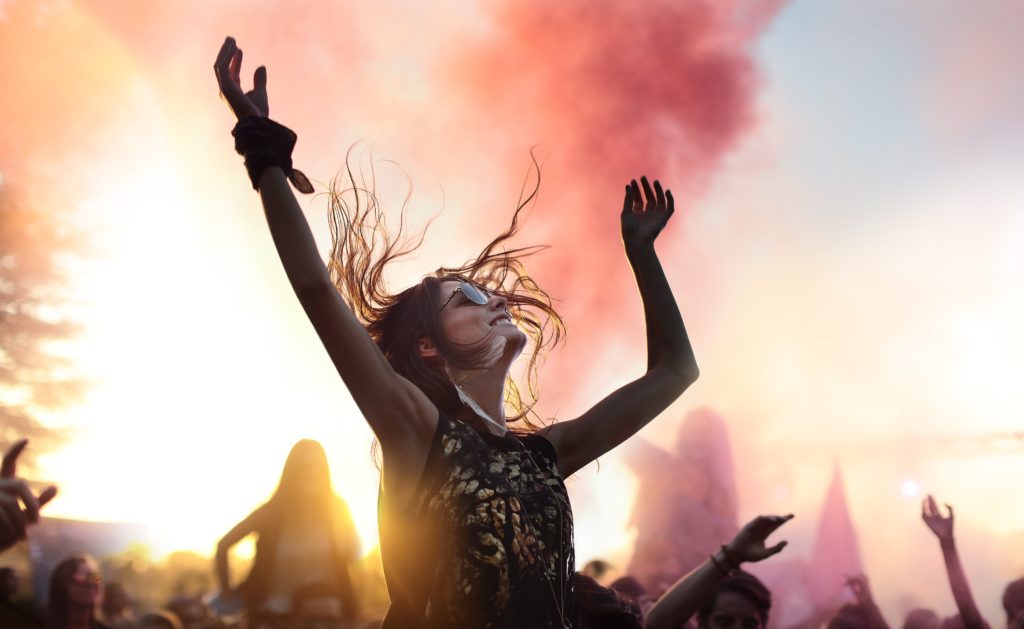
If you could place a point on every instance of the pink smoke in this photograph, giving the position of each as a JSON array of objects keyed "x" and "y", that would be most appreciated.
[
  {"x": 836, "y": 554},
  {"x": 610, "y": 92}
]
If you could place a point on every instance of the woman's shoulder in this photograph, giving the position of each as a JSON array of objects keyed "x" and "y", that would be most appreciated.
[{"x": 539, "y": 445}]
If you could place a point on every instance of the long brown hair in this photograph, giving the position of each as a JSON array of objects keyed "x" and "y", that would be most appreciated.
[
  {"x": 59, "y": 602},
  {"x": 305, "y": 467},
  {"x": 363, "y": 246}
]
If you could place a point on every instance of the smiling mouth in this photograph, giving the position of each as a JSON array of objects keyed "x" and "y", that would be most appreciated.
[{"x": 503, "y": 319}]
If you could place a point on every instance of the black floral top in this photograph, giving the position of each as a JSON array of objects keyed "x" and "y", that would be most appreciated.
[{"x": 486, "y": 540}]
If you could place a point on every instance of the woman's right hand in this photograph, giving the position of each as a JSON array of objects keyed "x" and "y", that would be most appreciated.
[{"x": 227, "y": 68}]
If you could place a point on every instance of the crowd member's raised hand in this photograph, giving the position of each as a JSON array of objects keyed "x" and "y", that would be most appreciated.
[
  {"x": 683, "y": 599},
  {"x": 749, "y": 543},
  {"x": 942, "y": 527},
  {"x": 19, "y": 507},
  {"x": 861, "y": 589},
  {"x": 939, "y": 524}
]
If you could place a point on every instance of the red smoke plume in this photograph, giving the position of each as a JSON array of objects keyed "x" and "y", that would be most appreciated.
[{"x": 610, "y": 91}]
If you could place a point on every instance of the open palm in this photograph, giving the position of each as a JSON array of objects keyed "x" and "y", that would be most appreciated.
[
  {"x": 941, "y": 525},
  {"x": 749, "y": 543},
  {"x": 645, "y": 215},
  {"x": 228, "y": 68}
]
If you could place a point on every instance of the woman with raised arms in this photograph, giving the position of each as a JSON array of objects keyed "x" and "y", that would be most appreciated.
[{"x": 476, "y": 525}]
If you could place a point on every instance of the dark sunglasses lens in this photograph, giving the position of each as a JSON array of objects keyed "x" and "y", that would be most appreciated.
[{"x": 473, "y": 293}]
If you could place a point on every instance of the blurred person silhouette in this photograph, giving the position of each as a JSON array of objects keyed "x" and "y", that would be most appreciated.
[
  {"x": 159, "y": 620},
  {"x": 8, "y": 586},
  {"x": 598, "y": 569},
  {"x": 630, "y": 588},
  {"x": 863, "y": 613},
  {"x": 942, "y": 527},
  {"x": 19, "y": 507},
  {"x": 306, "y": 543},
  {"x": 1013, "y": 603},
  {"x": 720, "y": 594},
  {"x": 192, "y": 612},
  {"x": 603, "y": 608},
  {"x": 740, "y": 601},
  {"x": 116, "y": 609},
  {"x": 15, "y": 612},
  {"x": 475, "y": 519},
  {"x": 76, "y": 588},
  {"x": 921, "y": 618}
]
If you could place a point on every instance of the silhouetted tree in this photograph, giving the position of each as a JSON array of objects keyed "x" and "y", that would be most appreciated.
[{"x": 36, "y": 247}]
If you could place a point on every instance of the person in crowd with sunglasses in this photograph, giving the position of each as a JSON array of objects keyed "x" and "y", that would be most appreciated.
[
  {"x": 75, "y": 591},
  {"x": 475, "y": 522}
]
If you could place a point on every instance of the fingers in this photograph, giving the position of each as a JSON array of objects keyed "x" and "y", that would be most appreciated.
[
  {"x": 8, "y": 532},
  {"x": 11, "y": 458},
  {"x": 235, "y": 67},
  {"x": 776, "y": 549},
  {"x": 259, "y": 79},
  {"x": 627, "y": 202},
  {"x": 764, "y": 525},
  {"x": 654, "y": 197},
  {"x": 13, "y": 514},
  {"x": 48, "y": 494},
  {"x": 933, "y": 509},
  {"x": 648, "y": 194},
  {"x": 227, "y": 51},
  {"x": 14, "y": 488},
  {"x": 949, "y": 507},
  {"x": 659, "y": 194}
]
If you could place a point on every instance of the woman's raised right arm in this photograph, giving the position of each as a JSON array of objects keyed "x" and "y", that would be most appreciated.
[
  {"x": 391, "y": 404},
  {"x": 401, "y": 415}
]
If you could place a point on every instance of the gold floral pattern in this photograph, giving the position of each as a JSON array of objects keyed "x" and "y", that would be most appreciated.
[{"x": 505, "y": 553}]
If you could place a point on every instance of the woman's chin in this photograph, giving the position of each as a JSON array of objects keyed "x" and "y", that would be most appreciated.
[{"x": 516, "y": 343}]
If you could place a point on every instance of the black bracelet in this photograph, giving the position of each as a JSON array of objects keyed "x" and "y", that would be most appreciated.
[
  {"x": 718, "y": 565},
  {"x": 730, "y": 557},
  {"x": 266, "y": 143}
]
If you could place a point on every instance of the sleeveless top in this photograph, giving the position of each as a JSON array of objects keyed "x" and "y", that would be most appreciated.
[{"x": 486, "y": 541}]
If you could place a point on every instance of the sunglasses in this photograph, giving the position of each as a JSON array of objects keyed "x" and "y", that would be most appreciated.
[
  {"x": 89, "y": 579},
  {"x": 476, "y": 295}
]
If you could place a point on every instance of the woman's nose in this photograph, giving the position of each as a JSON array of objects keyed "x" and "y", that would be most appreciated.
[{"x": 498, "y": 302}]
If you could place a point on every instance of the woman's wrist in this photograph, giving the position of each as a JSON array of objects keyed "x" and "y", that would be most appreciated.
[
  {"x": 725, "y": 561},
  {"x": 266, "y": 144},
  {"x": 635, "y": 245}
]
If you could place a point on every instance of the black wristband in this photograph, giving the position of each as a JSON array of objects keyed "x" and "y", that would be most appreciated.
[
  {"x": 718, "y": 565},
  {"x": 730, "y": 557},
  {"x": 266, "y": 143}
]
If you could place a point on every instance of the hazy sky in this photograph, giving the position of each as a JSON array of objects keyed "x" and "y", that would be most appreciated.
[{"x": 847, "y": 254}]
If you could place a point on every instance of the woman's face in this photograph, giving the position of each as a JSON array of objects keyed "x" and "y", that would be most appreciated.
[
  {"x": 734, "y": 611},
  {"x": 84, "y": 585},
  {"x": 463, "y": 321}
]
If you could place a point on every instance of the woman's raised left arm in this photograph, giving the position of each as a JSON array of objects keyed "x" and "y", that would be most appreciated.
[{"x": 671, "y": 366}]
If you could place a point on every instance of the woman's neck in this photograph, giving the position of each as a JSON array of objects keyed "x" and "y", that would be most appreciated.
[{"x": 487, "y": 389}]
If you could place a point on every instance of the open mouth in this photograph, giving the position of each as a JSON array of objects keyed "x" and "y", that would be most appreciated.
[{"x": 504, "y": 319}]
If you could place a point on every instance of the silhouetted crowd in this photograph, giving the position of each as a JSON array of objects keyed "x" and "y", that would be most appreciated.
[{"x": 290, "y": 587}]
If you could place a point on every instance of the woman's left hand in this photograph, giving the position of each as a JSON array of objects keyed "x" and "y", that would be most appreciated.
[{"x": 643, "y": 217}]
